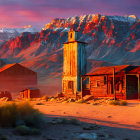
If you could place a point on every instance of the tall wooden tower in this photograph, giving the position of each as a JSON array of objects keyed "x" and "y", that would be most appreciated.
[{"x": 74, "y": 64}]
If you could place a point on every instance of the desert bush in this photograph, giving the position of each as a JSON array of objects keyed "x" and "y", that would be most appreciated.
[
  {"x": 10, "y": 113},
  {"x": 28, "y": 114},
  {"x": 66, "y": 121},
  {"x": 114, "y": 102},
  {"x": 52, "y": 99},
  {"x": 35, "y": 131},
  {"x": 3, "y": 137},
  {"x": 123, "y": 103},
  {"x": 39, "y": 103},
  {"x": 45, "y": 98},
  {"x": 74, "y": 121},
  {"x": 81, "y": 101},
  {"x": 65, "y": 102},
  {"x": 23, "y": 130}
]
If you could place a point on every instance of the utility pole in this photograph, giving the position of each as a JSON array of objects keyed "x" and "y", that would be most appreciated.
[{"x": 114, "y": 90}]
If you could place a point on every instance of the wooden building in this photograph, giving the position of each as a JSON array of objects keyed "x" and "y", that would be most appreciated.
[
  {"x": 29, "y": 93},
  {"x": 121, "y": 81},
  {"x": 74, "y": 64},
  {"x": 15, "y": 77},
  {"x": 6, "y": 94}
]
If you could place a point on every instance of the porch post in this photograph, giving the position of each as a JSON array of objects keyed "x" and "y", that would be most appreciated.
[
  {"x": 138, "y": 87},
  {"x": 81, "y": 87},
  {"x": 114, "y": 83}
]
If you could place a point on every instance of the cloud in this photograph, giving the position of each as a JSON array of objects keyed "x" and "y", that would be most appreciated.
[{"x": 39, "y": 12}]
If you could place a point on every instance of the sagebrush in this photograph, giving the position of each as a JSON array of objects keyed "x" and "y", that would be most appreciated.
[{"x": 11, "y": 113}]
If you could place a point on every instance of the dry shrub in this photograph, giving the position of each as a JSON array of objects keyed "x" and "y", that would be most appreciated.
[
  {"x": 25, "y": 130},
  {"x": 45, "y": 98},
  {"x": 116, "y": 102},
  {"x": 11, "y": 113},
  {"x": 66, "y": 121},
  {"x": 81, "y": 101},
  {"x": 8, "y": 114},
  {"x": 123, "y": 103},
  {"x": 31, "y": 116},
  {"x": 3, "y": 137},
  {"x": 52, "y": 99},
  {"x": 39, "y": 103}
]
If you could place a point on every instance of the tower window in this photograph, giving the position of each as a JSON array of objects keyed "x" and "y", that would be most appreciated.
[
  {"x": 71, "y": 35},
  {"x": 70, "y": 84}
]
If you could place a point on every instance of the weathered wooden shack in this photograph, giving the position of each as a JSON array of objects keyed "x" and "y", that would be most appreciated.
[
  {"x": 15, "y": 77},
  {"x": 6, "y": 94},
  {"x": 121, "y": 81},
  {"x": 74, "y": 57},
  {"x": 29, "y": 93},
  {"x": 124, "y": 83}
]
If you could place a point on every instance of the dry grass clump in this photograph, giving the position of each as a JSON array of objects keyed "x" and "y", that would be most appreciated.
[
  {"x": 114, "y": 102},
  {"x": 45, "y": 98},
  {"x": 25, "y": 130},
  {"x": 117, "y": 102},
  {"x": 11, "y": 113},
  {"x": 3, "y": 137},
  {"x": 52, "y": 99},
  {"x": 81, "y": 101},
  {"x": 66, "y": 121},
  {"x": 123, "y": 103},
  {"x": 39, "y": 103}
]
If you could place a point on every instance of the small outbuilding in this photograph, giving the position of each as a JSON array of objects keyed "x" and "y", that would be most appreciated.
[
  {"x": 123, "y": 82},
  {"x": 6, "y": 94},
  {"x": 30, "y": 93}
]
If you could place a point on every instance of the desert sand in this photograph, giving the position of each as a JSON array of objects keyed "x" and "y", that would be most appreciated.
[
  {"x": 71, "y": 121},
  {"x": 123, "y": 122}
]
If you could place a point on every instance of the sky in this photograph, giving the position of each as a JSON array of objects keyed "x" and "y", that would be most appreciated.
[{"x": 20, "y": 13}]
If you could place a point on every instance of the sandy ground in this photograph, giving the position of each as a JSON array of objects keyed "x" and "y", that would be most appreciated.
[
  {"x": 121, "y": 121},
  {"x": 104, "y": 121}
]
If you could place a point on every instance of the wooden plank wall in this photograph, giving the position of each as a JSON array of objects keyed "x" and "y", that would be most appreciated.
[{"x": 96, "y": 90}]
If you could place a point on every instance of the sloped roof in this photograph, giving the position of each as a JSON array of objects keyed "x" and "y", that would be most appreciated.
[
  {"x": 11, "y": 65},
  {"x": 108, "y": 70},
  {"x": 6, "y": 67},
  {"x": 136, "y": 70}
]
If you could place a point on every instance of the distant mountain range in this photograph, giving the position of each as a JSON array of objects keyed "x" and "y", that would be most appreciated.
[
  {"x": 112, "y": 40},
  {"x": 8, "y": 33}
]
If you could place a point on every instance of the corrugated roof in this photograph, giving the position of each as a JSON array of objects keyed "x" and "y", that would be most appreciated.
[
  {"x": 7, "y": 66},
  {"x": 108, "y": 70}
]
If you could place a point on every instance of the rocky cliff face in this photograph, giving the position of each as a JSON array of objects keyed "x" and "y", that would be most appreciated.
[{"x": 111, "y": 40}]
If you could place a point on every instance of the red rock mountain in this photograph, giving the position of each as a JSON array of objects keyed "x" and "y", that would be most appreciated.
[{"x": 111, "y": 40}]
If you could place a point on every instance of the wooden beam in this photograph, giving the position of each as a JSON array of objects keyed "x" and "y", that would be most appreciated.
[
  {"x": 125, "y": 86},
  {"x": 114, "y": 83},
  {"x": 107, "y": 84},
  {"x": 89, "y": 84},
  {"x": 138, "y": 87},
  {"x": 81, "y": 87}
]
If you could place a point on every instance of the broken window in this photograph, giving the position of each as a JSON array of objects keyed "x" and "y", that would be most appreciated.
[
  {"x": 105, "y": 80},
  {"x": 98, "y": 83},
  {"x": 71, "y": 35},
  {"x": 70, "y": 84}
]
